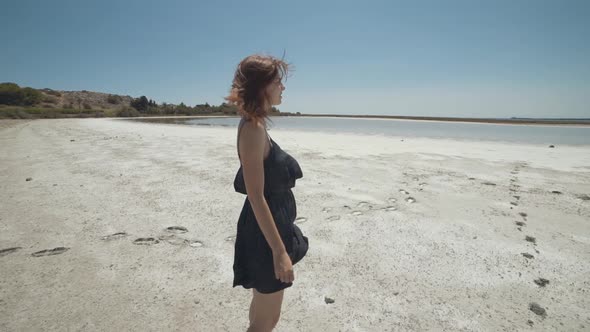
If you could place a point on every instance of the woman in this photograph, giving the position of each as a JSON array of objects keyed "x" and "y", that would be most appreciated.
[{"x": 268, "y": 243}]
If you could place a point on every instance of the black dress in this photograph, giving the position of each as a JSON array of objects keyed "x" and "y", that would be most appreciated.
[{"x": 253, "y": 262}]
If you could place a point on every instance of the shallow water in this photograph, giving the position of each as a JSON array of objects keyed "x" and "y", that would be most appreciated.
[{"x": 536, "y": 134}]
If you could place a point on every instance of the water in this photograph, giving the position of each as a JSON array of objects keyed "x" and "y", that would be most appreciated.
[{"x": 536, "y": 134}]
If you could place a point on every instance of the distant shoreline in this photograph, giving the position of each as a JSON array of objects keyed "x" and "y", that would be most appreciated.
[
  {"x": 517, "y": 121},
  {"x": 35, "y": 113}
]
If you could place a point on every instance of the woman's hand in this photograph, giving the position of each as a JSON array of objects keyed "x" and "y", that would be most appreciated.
[{"x": 283, "y": 266}]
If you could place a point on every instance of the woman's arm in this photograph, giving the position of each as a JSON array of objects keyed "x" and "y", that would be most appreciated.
[{"x": 252, "y": 145}]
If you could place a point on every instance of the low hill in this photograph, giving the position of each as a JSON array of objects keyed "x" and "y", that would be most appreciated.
[
  {"x": 82, "y": 99},
  {"x": 17, "y": 102},
  {"x": 13, "y": 95}
]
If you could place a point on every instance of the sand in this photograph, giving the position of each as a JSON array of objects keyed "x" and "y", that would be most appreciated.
[{"x": 405, "y": 234}]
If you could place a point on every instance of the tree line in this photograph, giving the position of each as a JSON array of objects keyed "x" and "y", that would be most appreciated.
[
  {"x": 27, "y": 102},
  {"x": 12, "y": 94},
  {"x": 146, "y": 106}
]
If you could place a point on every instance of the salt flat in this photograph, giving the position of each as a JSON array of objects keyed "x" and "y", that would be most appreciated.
[{"x": 405, "y": 234}]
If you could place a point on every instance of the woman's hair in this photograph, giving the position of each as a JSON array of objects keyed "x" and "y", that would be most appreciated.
[{"x": 252, "y": 76}]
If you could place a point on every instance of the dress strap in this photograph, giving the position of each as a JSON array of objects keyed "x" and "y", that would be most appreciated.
[{"x": 240, "y": 125}]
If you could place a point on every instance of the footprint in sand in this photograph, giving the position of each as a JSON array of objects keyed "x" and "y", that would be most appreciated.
[
  {"x": 390, "y": 208},
  {"x": 148, "y": 241},
  {"x": 392, "y": 200},
  {"x": 326, "y": 210},
  {"x": 522, "y": 214},
  {"x": 7, "y": 251},
  {"x": 404, "y": 192},
  {"x": 527, "y": 255},
  {"x": 115, "y": 236},
  {"x": 517, "y": 197},
  {"x": 556, "y": 192},
  {"x": 230, "y": 238},
  {"x": 333, "y": 218},
  {"x": 488, "y": 183},
  {"x": 362, "y": 205},
  {"x": 356, "y": 213},
  {"x": 194, "y": 243},
  {"x": 49, "y": 252},
  {"x": 514, "y": 203},
  {"x": 172, "y": 239},
  {"x": 520, "y": 223},
  {"x": 531, "y": 239},
  {"x": 410, "y": 200},
  {"x": 300, "y": 220},
  {"x": 177, "y": 229},
  {"x": 177, "y": 240}
]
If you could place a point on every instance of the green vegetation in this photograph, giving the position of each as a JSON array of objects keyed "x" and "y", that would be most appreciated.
[
  {"x": 29, "y": 103},
  {"x": 147, "y": 107},
  {"x": 47, "y": 113},
  {"x": 12, "y": 94},
  {"x": 114, "y": 99},
  {"x": 50, "y": 99},
  {"x": 127, "y": 112}
]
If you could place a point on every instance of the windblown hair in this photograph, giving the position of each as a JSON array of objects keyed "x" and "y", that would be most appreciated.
[{"x": 252, "y": 76}]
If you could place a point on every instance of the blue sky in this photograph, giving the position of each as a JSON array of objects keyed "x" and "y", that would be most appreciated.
[{"x": 432, "y": 58}]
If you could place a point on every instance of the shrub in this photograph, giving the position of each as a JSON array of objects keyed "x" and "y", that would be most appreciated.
[
  {"x": 50, "y": 99},
  {"x": 87, "y": 105},
  {"x": 114, "y": 99},
  {"x": 14, "y": 113},
  {"x": 141, "y": 104},
  {"x": 128, "y": 112},
  {"x": 110, "y": 113},
  {"x": 31, "y": 96},
  {"x": 10, "y": 94}
]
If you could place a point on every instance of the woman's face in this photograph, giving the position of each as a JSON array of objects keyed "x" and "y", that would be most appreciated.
[{"x": 274, "y": 92}]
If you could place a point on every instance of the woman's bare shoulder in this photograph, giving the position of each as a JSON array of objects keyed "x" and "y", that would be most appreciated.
[
  {"x": 252, "y": 139},
  {"x": 252, "y": 129}
]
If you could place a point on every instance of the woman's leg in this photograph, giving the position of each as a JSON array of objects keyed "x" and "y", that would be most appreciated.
[{"x": 265, "y": 311}]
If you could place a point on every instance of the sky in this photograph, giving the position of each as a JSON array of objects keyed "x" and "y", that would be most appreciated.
[{"x": 471, "y": 58}]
